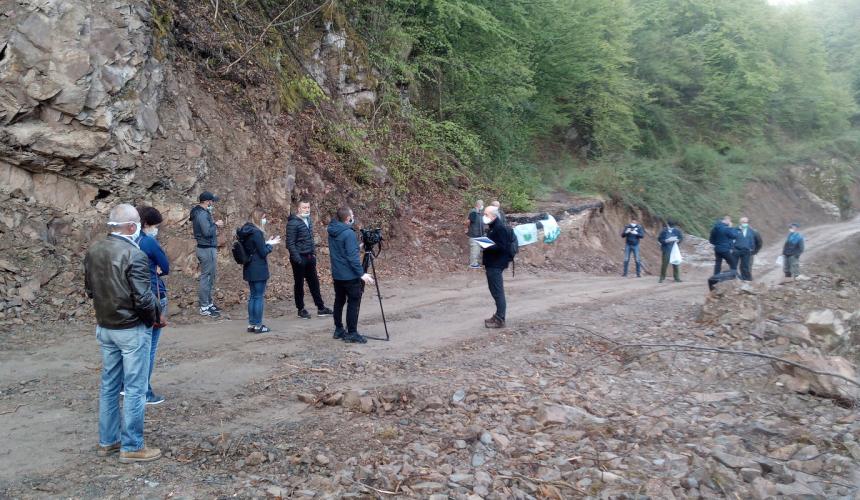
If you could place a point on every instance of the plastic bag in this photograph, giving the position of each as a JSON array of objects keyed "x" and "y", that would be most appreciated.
[
  {"x": 675, "y": 257},
  {"x": 780, "y": 261}
]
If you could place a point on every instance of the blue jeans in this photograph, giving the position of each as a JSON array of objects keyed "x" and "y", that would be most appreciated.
[
  {"x": 125, "y": 362},
  {"x": 634, "y": 249},
  {"x": 156, "y": 334},
  {"x": 255, "y": 302}
]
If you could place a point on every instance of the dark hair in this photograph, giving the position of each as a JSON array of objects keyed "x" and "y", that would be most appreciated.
[
  {"x": 671, "y": 223},
  {"x": 302, "y": 200},
  {"x": 150, "y": 216},
  {"x": 343, "y": 213}
]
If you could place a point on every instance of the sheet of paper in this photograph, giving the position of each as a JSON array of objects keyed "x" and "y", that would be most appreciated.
[{"x": 484, "y": 242}]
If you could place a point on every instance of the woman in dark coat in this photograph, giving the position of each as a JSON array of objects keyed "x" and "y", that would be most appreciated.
[{"x": 256, "y": 271}]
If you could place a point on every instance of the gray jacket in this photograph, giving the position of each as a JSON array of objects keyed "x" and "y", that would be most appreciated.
[
  {"x": 205, "y": 230},
  {"x": 116, "y": 277}
]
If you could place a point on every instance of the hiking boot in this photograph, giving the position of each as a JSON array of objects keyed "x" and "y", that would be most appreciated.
[
  {"x": 304, "y": 314},
  {"x": 339, "y": 333},
  {"x": 324, "y": 311},
  {"x": 155, "y": 400},
  {"x": 494, "y": 322},
  {"x": 261, "y": 329},
  {"x": 104, "y": 451},
  {"x": 354, "y": 338},
  {"x": 142, "y": 455}
]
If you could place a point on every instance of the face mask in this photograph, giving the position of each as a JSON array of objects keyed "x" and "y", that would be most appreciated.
[
  {"x": 136, "y": 235},
  {"x": 745, "y": 225},
  {"x": 486, "y": 219},
  {"x": 263, "y": 222},
  {"x": 306, "y": 216},
  {"x": 210, "y": 208},
  {"x": 152, "y": 231}
]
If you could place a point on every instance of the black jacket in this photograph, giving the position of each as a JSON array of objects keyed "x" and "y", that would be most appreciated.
[
  {"x": 300, "y": 237},
  {"x": 632, "y": 238},
  {"x": 344, "y": 252},
  {"x": 498, "y": 256},
  {"x": 723, "y": 237},
  {"x": 665, "y": 234},
  {"x": 476, "y": 224},
  {"x": 116, "y": 277},
  {"x": 750, "y": 243},
  {"x": 205, "y": 230},
  {"x": 257, "y": 268}
]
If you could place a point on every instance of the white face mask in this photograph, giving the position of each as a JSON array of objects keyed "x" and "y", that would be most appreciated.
[
  {"x": 152, "y": 231},
  {"x": 134, "y": 236},
  {"x": 486, "y": 219},
  {"x": 263, "y": 222}
]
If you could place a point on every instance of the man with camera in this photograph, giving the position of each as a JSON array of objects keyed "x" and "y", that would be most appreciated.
[
  {"x": 303, "y": 260},
  {"x": 117, "y": 278},
  {"x": 348, "y": 275},
  {"x": 632, "y": 233}
]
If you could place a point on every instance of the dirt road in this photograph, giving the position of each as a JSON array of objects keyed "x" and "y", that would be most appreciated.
[{"x": 220, "y": 380}]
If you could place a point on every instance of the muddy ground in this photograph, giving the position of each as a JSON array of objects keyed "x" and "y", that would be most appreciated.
[{"x": 550, "y": 407}]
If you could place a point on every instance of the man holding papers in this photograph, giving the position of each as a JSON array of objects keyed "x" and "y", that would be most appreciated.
[{"x": 496, "y": 259}]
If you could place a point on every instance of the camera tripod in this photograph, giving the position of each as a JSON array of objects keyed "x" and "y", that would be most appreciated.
[{"x": 368, "y": 263}]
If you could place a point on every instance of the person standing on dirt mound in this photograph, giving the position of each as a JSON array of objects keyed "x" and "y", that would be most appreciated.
[
  {"x": 747, "y": 245},
  {"x": 303, "y": 260},
  {"x": 723, "y": 237},
  {"x": 255, "y": 270},
  {"x": 206, "y": 233},
  {"x": 116, "y": 277},
  {"x": 496, "y": 260},
  {"x": 791, "y": 251},
  {"x": 476, "y": 230},
  {"x": 668, "y": 238},
  {"x": 632, "y": 234},
  {"x": 158, "y": 266},
  {"x": 347, "y": 274}
]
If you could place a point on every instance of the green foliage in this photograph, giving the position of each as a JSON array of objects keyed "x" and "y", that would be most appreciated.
[{"x": 296, "y": 92}]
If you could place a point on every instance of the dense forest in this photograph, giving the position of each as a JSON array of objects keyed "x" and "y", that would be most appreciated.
[{"x": 665, "y": 103}]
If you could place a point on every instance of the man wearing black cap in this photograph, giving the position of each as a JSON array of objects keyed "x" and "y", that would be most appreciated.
[{"x": 206, "y": 234}]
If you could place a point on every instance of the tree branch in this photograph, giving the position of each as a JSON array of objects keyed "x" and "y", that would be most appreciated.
[{"x": 692, "y": 347}]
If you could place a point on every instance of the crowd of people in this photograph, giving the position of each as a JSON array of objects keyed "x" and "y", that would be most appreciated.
[
  {"x": 734, "y": 246},
  {"x": 124, "y": 278}
]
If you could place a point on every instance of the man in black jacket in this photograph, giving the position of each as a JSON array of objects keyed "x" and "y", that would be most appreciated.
[
  {"x": 747, "y": 245},
  {"x": 206, "y": 233},
  {"x": 300, "y": 243},
  {"x": 723, "y": 237},
  {"x": 632, "y": 233},
  {"x": 496, "y": 259},
  {"x": 116, "y": 277}
]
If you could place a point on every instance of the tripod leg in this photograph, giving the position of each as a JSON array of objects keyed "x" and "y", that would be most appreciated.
[{"x": 379, "y": 296}]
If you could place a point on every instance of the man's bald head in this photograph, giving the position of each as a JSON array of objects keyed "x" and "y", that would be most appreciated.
[
  {"x": 491, "y": 212},
  {"x": 124, "y": 219}
]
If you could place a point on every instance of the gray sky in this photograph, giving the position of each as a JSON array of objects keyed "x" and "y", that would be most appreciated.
[{"x": 786, "y": 2}]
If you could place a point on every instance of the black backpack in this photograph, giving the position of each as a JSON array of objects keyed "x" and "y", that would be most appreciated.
[
  {"x": 240, "y": 255},
  {"x": 513, "y": 249}
]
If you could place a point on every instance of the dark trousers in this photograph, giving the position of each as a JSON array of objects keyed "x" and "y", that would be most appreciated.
[
  {"x": 676, "y": 270},
  {"x": 724, "y": 255},
  {"x": 302, "y": 272},
  {"x": 347, "y": 293},
  {"x": 497, "y": 290},
  {"x": 745, "y": 260}
]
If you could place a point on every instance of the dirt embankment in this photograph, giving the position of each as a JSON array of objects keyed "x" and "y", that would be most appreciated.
[{"x": 772, "y": 206}]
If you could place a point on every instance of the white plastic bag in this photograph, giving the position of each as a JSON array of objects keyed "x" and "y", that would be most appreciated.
[
  {"x": 675, "y": 257},
  {"x": 780, "y": 261}
]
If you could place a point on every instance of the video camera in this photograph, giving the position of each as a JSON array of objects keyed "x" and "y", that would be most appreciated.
[{"x": 371, "y": 238}]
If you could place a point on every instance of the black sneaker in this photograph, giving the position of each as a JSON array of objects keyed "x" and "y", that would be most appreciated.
[
  {"x": 251, "y": 328},
  {"x": 155, "y": 400},
  {"x": 261, "y": 329},
  {"x": 339, "y": 333},
  {"x": 324, "y": 311},
  {"x": 209, "y": 312},
  {"x": 354, "y": 338},
  {"x": 214, "y": 308},
  {"x": 304, "y": 314}
]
